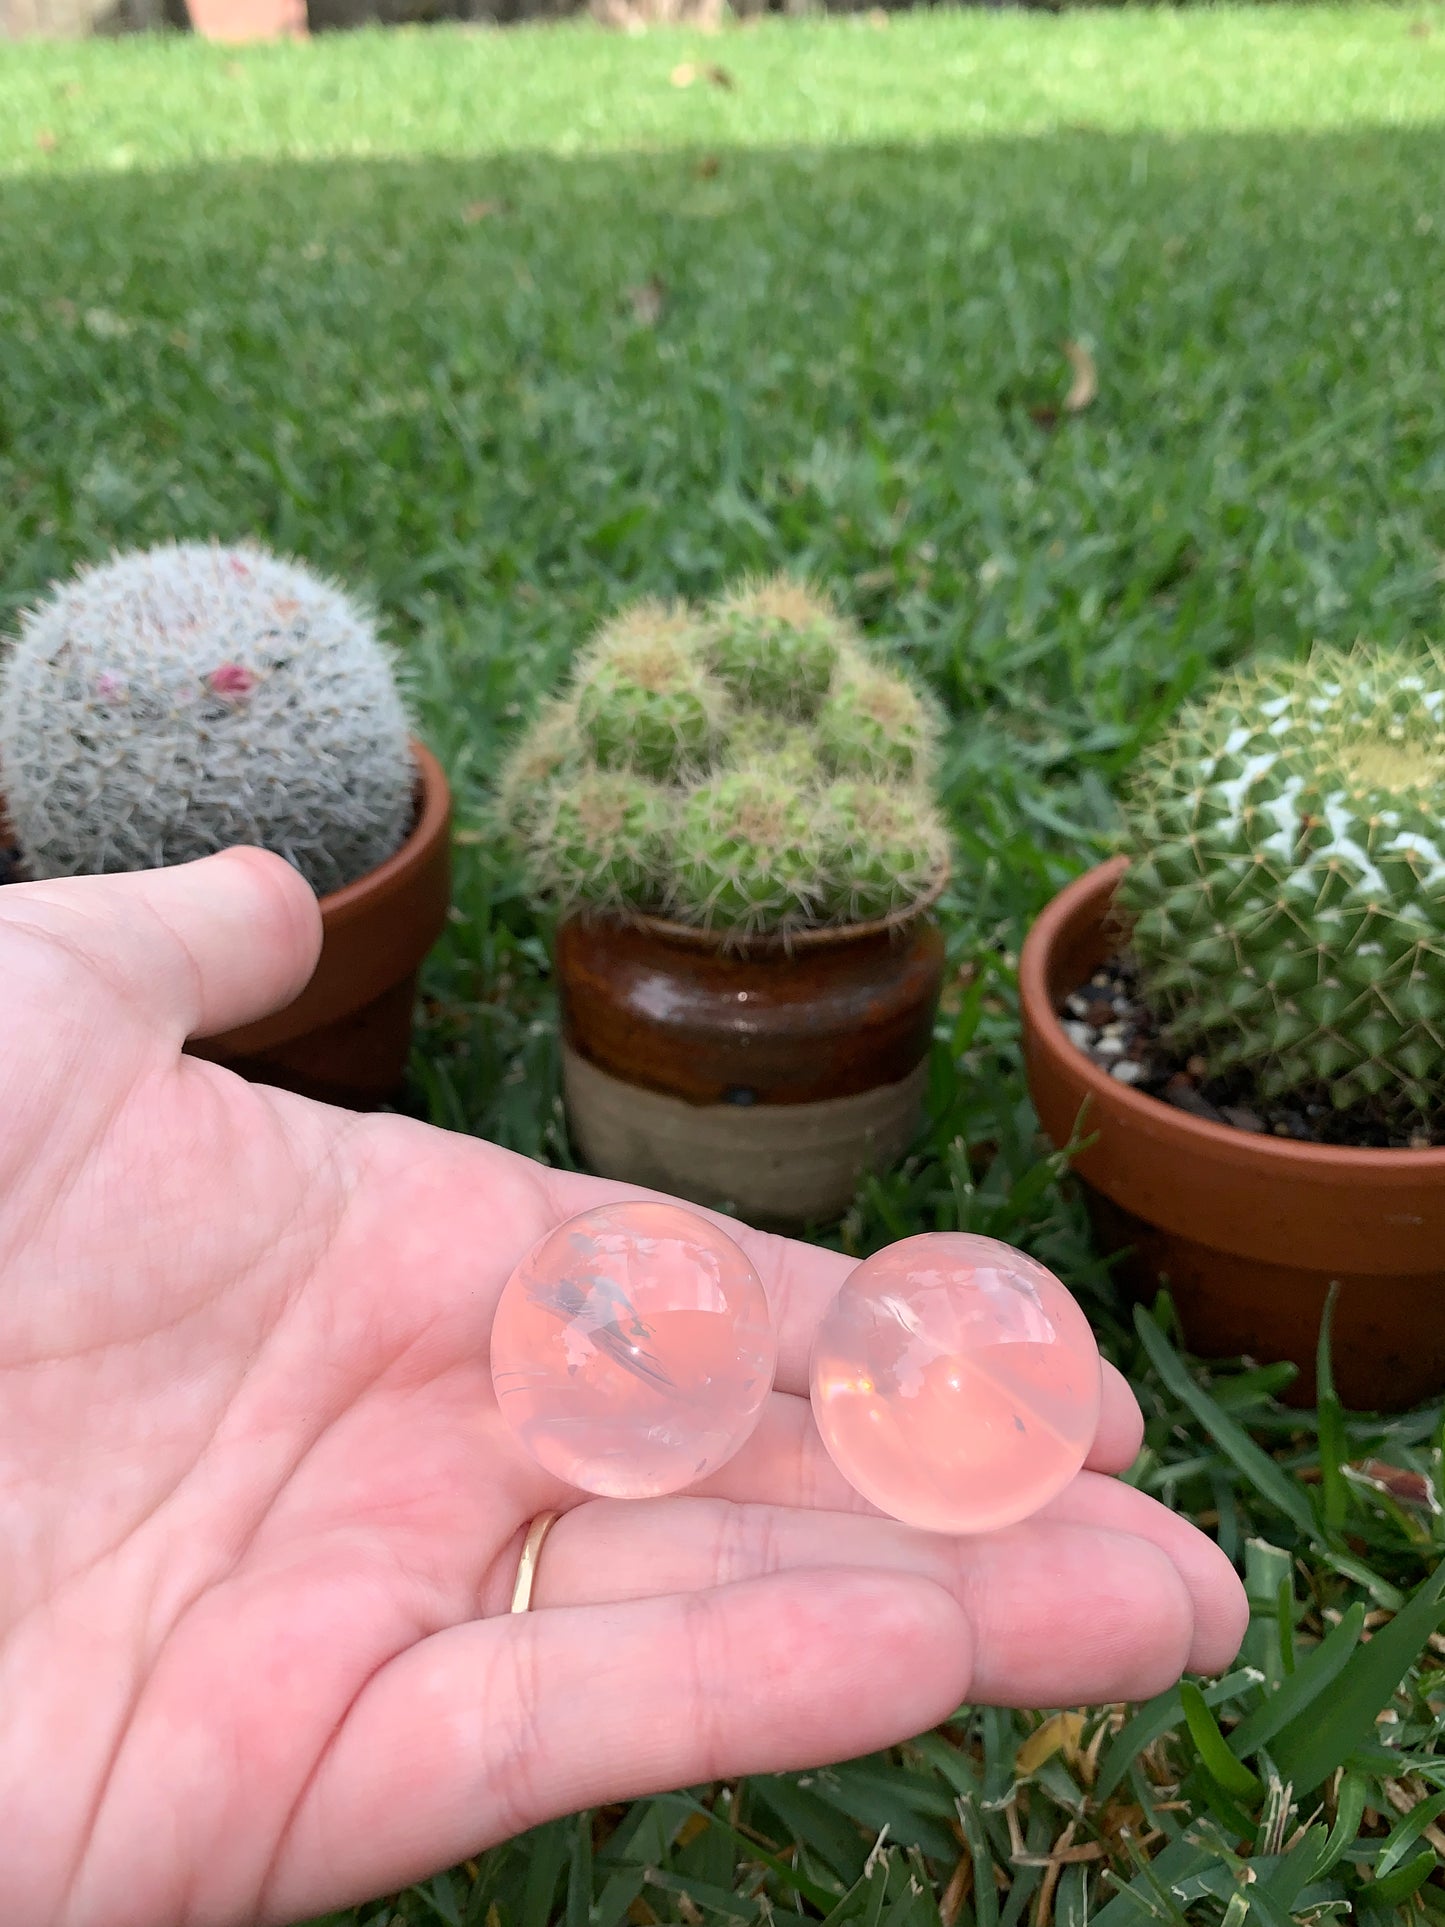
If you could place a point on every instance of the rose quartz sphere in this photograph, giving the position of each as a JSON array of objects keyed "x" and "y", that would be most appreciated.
[
  {"x": 955, "y": 1383},
  {"x": 632, "y": 1350}
]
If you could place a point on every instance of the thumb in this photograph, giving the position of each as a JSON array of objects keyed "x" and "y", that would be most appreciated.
[
  {"x": 198, "y": 948},
  {"x": 484, "y": 1730}
]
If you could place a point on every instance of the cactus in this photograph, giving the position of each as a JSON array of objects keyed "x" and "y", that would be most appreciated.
[
  {"x": 874, "y": 724},
  {"x": 174, "y": 701},
  {"x": 602, "y": 839},
  {"x": 884, "y": 850},
  {"x": 1286, "y": 890},
  {"x": 787, "y": 749},
  {"x": 775, "y": 644},
  {"x": 645, "y": 700},
  {"x": 748, "y": 855},
  {"x": 717, "y": 810},
  {"x": 552, "y": 749}
]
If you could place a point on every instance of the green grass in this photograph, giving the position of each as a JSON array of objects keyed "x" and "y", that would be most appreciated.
[{"x": 369, "y": 299}]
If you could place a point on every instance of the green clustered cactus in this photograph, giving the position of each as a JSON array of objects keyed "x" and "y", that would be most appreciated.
[
  {"x": 646, "y": 702},
  {"x": 174, "y": 701},
  {"x": 747, "y": 767},
  {"x": 1286, "y": 889}
]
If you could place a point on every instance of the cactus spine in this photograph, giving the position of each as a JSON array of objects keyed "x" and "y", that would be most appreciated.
[
  {"x": 646, "y": 702},
  {"x": 1286, "y": 889},
  {"x": 603, "y": 839},
  {"x": 775, "y": 644},
  {"x": 874, "y": 724},
  {"x": 691, "y": 767},
  {"x": 174, "y": 701}
]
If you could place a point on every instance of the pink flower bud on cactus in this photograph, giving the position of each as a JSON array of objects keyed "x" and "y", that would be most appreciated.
[{"x": 231, "y": 679}]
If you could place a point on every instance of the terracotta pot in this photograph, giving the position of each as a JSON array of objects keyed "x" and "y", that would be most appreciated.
[
  {"x": 234, "y": 22},
  {"x": 759, "y": 1078},
  {"x": 1247, "y": 1232},
  {"x": 347, "y": 1037}
]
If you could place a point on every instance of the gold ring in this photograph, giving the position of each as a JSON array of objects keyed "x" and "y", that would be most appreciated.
[{"x": 531, "y": 1553}]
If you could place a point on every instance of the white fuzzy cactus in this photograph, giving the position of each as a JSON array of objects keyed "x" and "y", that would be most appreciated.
[{"x": 176, "y": 701}]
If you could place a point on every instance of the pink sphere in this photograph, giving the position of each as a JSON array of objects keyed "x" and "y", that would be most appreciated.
[
  {"x": 632, "y": 1350},
  {"x": 955, "y": 1383}
]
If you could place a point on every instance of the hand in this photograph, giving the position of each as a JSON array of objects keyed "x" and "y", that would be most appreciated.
[{"x": 259, "y": 1519}]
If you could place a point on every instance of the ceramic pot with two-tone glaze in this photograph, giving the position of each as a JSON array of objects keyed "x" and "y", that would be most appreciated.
[{"x": 760, "y": 1076}]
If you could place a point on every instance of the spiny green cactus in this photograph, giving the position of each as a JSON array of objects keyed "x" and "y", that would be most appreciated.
[
  {"x": 873, "y": 723},
  {"x": 775, "y": 644},
  {"x": 551, "y": 751},
  {"x": 645, "y": 699},
  {"x": 748, "y": 854},
  {"x": 602, "y": 841},
  {"x": 722, "y": 812},
  {"x": 786, "y": 749},
  {"x": 1286, "y": 888},
  {"x": 884, "y": 849},
  {"x": 174, "y": 701}
]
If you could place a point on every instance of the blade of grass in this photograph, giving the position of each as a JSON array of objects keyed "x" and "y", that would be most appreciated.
[
  {"x": 1149, "y": 1896},
  {"x": 1155, "y": 1718},
  {"x": 985, "y": 1893},
  {"x": 1318, "y": 1740},
  {"x": 1399, "y": 1886},
  {"x": 1269, "y": 1481},
  {"x": 1231, "y": 1773},
  {"x": 1334, "y": 1450},
  {"x": 1349, "y": 1811},
  {"x": 1407, "y": 1833},
  {"x": 1314, "y": 1675}
]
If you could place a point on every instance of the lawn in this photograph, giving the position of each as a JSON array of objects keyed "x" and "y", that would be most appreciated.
[{"x": 509, "y": 327}]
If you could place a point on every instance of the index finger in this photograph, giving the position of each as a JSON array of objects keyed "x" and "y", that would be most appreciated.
[{"x": 801, "y": 1281}]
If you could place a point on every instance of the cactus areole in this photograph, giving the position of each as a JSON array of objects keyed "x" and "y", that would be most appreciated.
[
  {"x": 731, "y": 809},
  {"x": 1286, "y": 886}
]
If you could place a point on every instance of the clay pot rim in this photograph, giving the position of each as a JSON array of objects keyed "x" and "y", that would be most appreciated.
[
  {"x": 340, "y": 907},
  {"x": 766, "y": 943},
  {"x": 1220, "y": 1141}
]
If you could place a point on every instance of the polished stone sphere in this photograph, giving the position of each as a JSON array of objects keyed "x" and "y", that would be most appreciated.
[
  {"x": 955, "y": 1383},
  {"x": 632, "y": 1349}
]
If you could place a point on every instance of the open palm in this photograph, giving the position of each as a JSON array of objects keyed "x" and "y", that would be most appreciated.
[{"x": 259, "y": 1518}]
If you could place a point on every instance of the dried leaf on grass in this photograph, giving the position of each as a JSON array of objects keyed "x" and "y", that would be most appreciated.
[
  {"x": 1084, "y": 389},
  {"x": 959, "y": 1887},
  {"x": 688, "y": 71},
  {"x": 475, "y": 211},
  {"x": 1060, "y": 1733},
  {"x": 648, "y": 301},
  {"x": 1410, "y": 1488}
]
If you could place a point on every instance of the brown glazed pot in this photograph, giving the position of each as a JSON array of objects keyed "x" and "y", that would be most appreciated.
[
  {"x": 760, "y": 1078},
  {"x": 1247, "y": 1232},
  {"x": 346, "y": 1038}
]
